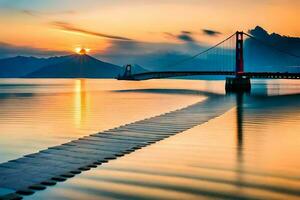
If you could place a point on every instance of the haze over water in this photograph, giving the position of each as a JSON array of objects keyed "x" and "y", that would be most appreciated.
[{"x": 251, "y": 151}]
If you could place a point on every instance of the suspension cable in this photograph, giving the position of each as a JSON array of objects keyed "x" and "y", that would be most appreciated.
[{"x": 198, "y": 54}]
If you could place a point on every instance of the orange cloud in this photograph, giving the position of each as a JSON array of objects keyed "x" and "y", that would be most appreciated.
[
  {"x": 39, "y": 14},
  {"x": 69, "y": 27}
]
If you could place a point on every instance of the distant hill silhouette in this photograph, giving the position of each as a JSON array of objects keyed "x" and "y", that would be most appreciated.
[
  {"x": 20, "y": 65},
  {"x": 70, "y": 66},
  {"x": 269, "y": 56},
  {"x": 77, "y": 66},
  {"x": 290, "y": 44}
]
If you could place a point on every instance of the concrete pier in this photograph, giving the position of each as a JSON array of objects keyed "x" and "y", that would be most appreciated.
[{"x": 238, "y": 84}]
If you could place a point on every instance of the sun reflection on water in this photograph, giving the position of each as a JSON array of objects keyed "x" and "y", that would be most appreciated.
[{"x": 80, "y": 103}]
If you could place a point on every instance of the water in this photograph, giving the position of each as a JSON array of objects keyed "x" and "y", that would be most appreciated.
[
  {"x": 250, "y": 152},
  {"x": 36, "y": 114}
]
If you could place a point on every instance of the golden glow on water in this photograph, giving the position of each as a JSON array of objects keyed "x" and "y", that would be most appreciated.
[
  {"x": 81, "y": 103},
  {"x": 39, "y": 113}
]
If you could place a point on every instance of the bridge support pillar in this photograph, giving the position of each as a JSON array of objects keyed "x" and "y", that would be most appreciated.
[{"x": 238, "y": 84}]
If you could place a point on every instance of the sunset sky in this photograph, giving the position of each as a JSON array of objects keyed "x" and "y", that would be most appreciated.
[{"x": 49, "y": 27}]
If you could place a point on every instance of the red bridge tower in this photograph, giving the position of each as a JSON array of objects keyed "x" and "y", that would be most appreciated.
[
  {"x": 238, "y": 83},
  {"x": 239, "y": 60}
]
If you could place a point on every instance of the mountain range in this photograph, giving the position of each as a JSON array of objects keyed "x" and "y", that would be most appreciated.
[
  {"x": 20, "y": 65},
  {"x": 77, "y": 66},
  {"x": 70, "y": 66}
]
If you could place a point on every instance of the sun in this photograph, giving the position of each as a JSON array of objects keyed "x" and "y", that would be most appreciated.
[{"x": 82, "y": 51}]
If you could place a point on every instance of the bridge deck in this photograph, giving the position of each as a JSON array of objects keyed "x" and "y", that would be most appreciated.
[
  {"x": 36, "y": 171},
  {"x": 169, "y": 74}
]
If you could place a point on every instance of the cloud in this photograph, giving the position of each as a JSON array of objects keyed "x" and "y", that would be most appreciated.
[
  {"x": 210, "y": 32},
  {"x": 30, "y": 13},
  {"x": 9, "y": 50},
  {"x": 187, "y": 32},
  {"x": 35, "y": 13},
  {"x": 71, "y": 28},
  {"x": 185, "y": 36},
  {"x": 169, "y": 35}
]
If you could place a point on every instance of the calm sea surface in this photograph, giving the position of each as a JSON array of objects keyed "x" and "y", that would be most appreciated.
[{"x": 250, "y": 152}]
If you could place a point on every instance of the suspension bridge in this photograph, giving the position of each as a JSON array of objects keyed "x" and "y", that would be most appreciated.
[{"x": 228, "y": 58}]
